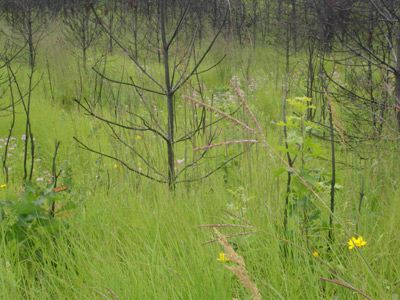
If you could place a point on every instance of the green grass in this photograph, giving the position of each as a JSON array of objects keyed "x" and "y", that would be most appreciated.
[{"x": 137, "y": 238}]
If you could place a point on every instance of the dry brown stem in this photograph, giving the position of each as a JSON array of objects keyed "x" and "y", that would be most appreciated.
[
  {"x": 227, "y": 143},
  {"x": 247, "y": 107},
  {"x": 221, "y": 113},
  {"x": 240, "y": 268},
  {"x": 221, "y": 225},
  {"x": 346, "y": 286},
  {"x": 338, "y": 125},
  {"x": 229, "y": 236}
]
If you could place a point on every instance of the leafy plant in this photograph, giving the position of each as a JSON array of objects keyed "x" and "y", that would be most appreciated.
[
  {"x": 35, "y": 212},
  {"x": 239, "y": 202},
  {"x": 304, "y": 149}
]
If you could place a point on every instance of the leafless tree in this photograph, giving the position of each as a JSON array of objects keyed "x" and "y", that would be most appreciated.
[
  {"x": 28, "y": 28},
  {"x": 81, "y": 29},
  {"x": 178, "y": 66},
  {"x": 367, "y": 36}
]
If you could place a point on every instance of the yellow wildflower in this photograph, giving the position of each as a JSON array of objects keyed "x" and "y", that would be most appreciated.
[
  {"x": 222, "y": 257},
  {"x": 3, "y": 186},
  {"x": 316, "y": 255},
  {"x": 138, "y": 137},
  {"x": 116, "y": 166},
  {"x": 356, "y": 242}
]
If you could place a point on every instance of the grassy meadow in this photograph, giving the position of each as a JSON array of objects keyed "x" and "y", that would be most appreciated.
[{"x": 128, "y": 237}]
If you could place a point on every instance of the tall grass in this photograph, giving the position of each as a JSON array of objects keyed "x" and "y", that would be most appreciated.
[{"x": 135, "y": 239}]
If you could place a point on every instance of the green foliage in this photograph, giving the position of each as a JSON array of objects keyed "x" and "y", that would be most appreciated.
[
  {"x": 29, "y": 214},
  {"x": 304, "y": 150},
  {"x": 239, "y": 201}
]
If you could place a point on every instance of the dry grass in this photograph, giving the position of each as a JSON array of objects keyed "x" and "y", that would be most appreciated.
[{"x": 240, "y": 268}]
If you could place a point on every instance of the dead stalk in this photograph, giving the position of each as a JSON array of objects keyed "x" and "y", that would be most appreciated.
[
  {"x": 346, "y": 286},
  {"x": 240, "y": 268}
]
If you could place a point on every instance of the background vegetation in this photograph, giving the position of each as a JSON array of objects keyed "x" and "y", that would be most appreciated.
[{"x": 130, "y": 130}]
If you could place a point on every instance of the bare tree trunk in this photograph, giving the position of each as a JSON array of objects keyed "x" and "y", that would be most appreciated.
[
  {"x": 333, "y": 181},
  {"x": 279, "y": 13},
  {"x": 170, "y": 101},
  {"x": 28, "y": 132},
  {"x": 331, "y": 236},
  {"x": 30, "y": 38},
  {"x": 290, "y": 161},
  {"x": 83, "y": 43},
  {"x": 110, "y": 28},
  {"x": 369, "y": 74},
  {"x": 293, "y": 22},
  {"x": 310, "y": 75},
  {"x": 397, "y": 75},
  {"x": 135, "y": 32},
  {"x": 287, "y": 44},
  {"x": 255, "y": 19}
]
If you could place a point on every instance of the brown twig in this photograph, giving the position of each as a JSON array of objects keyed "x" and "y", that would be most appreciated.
[
  {"x": 101, "y": 294},
  {"x": 227, "y": 143},
  {"x": 229, "y": 236},
  {"x": 112, "y": 293},
  {"x": 247, "y": 107},
  {"x": 221, "y": 225},
  {"x": 221, "y": 113},
  {"x": 237, "y": 217},
  {"x": 346, "y": 286}
]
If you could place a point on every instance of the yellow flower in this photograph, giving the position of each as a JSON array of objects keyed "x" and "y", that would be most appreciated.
[
  {"x": 138, "y": 137},
  {"x": 222, "y": 257},
  {"x": 3, "y": 186},
  {"x": 116, "y": 166},
  {"x": 316, "y": 254},
  {"x": 357, "y": 242}
]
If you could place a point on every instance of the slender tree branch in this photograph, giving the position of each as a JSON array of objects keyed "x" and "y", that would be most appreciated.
[
  {"x": 213, "y": 171},
  {"x": 83, "y": 146},
  {"x": 126, "y": 83},
  {"x": 179, "y": 84},
  {"x": 127, "y": 52}
]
